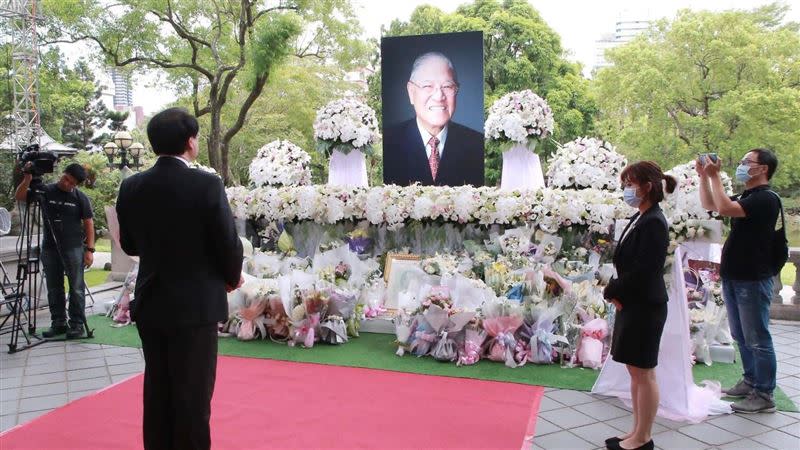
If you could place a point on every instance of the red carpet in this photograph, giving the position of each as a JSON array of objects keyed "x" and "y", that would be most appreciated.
[{"x": 276, "y": 404}]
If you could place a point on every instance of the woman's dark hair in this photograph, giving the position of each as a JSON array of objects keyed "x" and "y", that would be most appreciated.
[
  {"x": 767, "y": 158},
  {"x": 77, "y": 171},
  {"x": 169, "y": 130},
  {"x": 644, "y": 172}
]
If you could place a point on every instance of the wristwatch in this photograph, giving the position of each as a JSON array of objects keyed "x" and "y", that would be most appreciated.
[{"x": 90, "y": 249}]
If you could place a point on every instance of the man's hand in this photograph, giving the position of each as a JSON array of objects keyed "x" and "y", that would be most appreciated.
[
  {"x": 88, "y": 258},
  {"x": 230, "y": 288},
  {"x": 616, "y": 304},
  {"x": 712, "y": 168},
  {"x": 699, "y": 168}
]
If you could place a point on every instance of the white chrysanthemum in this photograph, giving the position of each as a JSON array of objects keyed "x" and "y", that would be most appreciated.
[
  {"x": 280, "y": 163},
  {"x": 586, "y": 163},
  {"x": 347, "y": 122},
  {"x": 519, "y": 117}
]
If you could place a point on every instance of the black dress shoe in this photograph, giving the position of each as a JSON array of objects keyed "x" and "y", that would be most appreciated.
[
  {"x": 649, "y": 445},
  {"x": 611, "y": 441},
  {"x": 54, "y": 331}
]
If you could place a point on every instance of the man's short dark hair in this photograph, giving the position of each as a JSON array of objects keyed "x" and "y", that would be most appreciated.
[
  {"x": 169, "y": 130},
  {"x": 767, "y": 158},
  {"x": 77, "y": 171}
]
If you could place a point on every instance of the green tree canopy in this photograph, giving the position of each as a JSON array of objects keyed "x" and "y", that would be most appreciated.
[
  {"x": 209, "y": 49},
  {"x": 88, "y": 112},
  {"x": 707, "y": 82},
  {"x": 520, "y": 52}
]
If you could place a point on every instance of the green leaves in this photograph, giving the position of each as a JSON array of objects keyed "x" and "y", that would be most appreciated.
[
  {"x": 272, "y": 41},
  {"x": 720, "y": 82}
]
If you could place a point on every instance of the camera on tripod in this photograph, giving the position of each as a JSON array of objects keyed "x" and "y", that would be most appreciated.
[{"x": 42, "y": 162}]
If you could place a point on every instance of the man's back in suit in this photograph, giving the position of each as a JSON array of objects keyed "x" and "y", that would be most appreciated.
[{"x": 177, "y": 220}]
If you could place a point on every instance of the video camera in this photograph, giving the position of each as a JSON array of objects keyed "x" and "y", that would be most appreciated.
[{"x": 42, "y": 162}]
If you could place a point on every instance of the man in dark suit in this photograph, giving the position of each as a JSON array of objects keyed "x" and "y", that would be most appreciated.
[
  {"x": 431, "y": 149},
  {"x": 177, "y": 220}
]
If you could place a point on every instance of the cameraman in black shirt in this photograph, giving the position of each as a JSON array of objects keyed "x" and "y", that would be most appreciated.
[
  {"x": 747, "y": 270},
  {"x": 67, "y": 217}
]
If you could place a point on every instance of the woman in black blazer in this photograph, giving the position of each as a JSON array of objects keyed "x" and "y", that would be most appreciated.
[{"x": 640, "y": 296}]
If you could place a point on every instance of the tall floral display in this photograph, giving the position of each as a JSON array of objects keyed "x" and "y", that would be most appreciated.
[
  {"x": 343, "y": 126},
  {"x": 520, "y": 120},
  {"x": 586, "y": 163},
  {"x": 280, "y": 163}
]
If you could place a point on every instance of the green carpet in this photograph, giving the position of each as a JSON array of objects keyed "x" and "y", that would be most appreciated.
[{"x": 377, "y": 351}]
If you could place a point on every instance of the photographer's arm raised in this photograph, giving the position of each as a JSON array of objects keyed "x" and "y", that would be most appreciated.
[
  {"x": 723, "y": 204},
  {"x": 706, "y": 199}
]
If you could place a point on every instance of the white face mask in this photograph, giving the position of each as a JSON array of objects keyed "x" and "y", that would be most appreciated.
[{"x": 629, "y": 196}]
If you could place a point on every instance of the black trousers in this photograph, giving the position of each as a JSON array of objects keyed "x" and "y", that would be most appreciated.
[{"x": 180, "y": 370}]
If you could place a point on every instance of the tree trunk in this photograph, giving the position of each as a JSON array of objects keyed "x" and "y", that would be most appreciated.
[
  {"x": 224, "y": 169},
  {"x": 215, "y": 140}
]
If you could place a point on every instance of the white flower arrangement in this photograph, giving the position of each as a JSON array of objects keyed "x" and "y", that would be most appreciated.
[
  {"x": 197, "y": 165},
  {"x": 393, "y": 206},
  {"x": 346, "y": 124},
  {"x": 521, "y": 117},
  {"x": 586, "y": 163},
  {"x": 280, "y": 163}
]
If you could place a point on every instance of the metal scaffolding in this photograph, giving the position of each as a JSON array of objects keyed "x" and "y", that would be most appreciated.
[{"x": 23, "y": 17}]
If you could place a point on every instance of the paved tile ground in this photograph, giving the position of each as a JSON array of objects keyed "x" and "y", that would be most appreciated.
[{"x": 35, "y": 381}]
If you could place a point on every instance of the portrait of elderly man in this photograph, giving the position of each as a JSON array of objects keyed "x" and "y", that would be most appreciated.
[{"x": 430, "y": 148}]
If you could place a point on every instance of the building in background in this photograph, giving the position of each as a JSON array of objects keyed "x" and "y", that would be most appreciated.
[
  {"x": 122, "y": 97},
  {"x": 627, "y": 27}
]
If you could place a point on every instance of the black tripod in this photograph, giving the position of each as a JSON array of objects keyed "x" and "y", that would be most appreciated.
[{"x": 29, "y": 249}]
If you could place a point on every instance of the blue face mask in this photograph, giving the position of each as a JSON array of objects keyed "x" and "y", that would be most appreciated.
[
  {"x": 629, "y": 196},
  {"x": 743, "y": 173}
]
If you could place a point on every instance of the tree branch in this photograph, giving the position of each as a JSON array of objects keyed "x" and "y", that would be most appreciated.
[
  {"x": 674, "y": 116},
  {"x": 261, "y": 80},
  {"x": 275, "y": 8}
]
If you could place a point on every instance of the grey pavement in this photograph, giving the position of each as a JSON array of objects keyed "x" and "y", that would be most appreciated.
[{"x": 36, "y": 381}]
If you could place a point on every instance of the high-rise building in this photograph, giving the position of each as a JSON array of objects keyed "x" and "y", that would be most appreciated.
[
  {"x": 123, "y": 94},
  {"x": 625, "y": 30}
]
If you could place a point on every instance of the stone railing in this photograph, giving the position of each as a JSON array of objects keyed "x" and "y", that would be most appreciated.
[{"x": 791, "y": 311}]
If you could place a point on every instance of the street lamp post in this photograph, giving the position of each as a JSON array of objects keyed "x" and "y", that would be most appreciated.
[{"x": 122, "y": 147}]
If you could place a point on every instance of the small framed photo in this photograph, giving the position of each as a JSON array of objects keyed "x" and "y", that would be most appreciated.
[
  {"x": 404, "y": 284},
  {"x": 390, "y": 257}
]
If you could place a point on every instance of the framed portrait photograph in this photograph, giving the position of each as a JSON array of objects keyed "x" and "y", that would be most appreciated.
[
  {"x": 392, "y": 257},
  {"x": 432, "y": 96}
]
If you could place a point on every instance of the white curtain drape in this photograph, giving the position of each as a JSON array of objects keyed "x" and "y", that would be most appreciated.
[
  {"x": 347, "y": 170},
  {"x": 522, "y": 170}
]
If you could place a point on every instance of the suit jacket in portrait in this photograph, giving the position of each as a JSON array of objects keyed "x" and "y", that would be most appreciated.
[
  {"x": 405, "y": 160},
  {"x": 639, "y": 259},
  {"x": 178, "y": 221}
]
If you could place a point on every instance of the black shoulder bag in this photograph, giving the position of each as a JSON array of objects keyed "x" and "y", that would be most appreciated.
[{"x": 780, "y": 245}]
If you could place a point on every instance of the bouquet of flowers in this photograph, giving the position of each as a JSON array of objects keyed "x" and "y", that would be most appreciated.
[
  {"x": 501, "y": 319},
  {"x": 344, "y": 125},
  {"x": 440, "y": 265},
  {"x": 474, "y": 336},
  {"x": 543, "y": 338},
  {"x": 359, "y": 240},
  {"x": 586, "y": 163},
  {"x": 310, "y": 307},
  {"x": 521, "y": 117},
  {"x": 277, "y": 320},
  {"x": 446, "y": 349},
  {"x": 405, "y": 326},
  {"x": 249, "y": 321},
  {"x": 432, "y": 316},
  {"x": 280, "y": 163},
  {"x": 590, "y": 350},
  {"x": 197, "y": 165}
]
